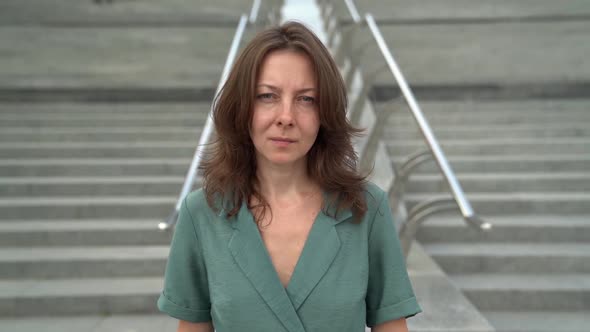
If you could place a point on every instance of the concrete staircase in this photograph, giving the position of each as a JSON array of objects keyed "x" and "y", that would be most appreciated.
[
  {"x": 80, "y": 206},
  {"x": 99, "y": 115},
  {"x": 534, "y": 266}
]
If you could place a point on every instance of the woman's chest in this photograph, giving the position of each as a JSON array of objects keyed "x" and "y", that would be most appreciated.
[
  {"x": 328, "y": 266},
  {"x": 285, "y": 238}
]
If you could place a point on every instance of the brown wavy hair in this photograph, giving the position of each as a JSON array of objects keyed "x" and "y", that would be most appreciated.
[{"x": 229, "y": 167}]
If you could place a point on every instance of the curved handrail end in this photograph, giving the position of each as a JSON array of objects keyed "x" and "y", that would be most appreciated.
[
  {"x": 169, "y": 222},
  {"x": 478, "y": 222}
]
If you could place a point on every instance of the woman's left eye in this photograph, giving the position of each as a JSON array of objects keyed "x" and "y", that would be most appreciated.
[
  {"x": 264, "y": 96},
  {"x": 307, "y": 99}
]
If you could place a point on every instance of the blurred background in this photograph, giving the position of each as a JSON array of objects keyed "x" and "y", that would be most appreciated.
[{"x": 102, "y": 104}]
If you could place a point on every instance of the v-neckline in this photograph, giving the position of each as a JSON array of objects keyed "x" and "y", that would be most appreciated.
[
  {"x": 251, "y": 255},
  {"x": 299, "y": 258}
]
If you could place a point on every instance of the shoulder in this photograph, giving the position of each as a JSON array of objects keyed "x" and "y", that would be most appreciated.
[
  {"x": 374, "y": 196},
  {"x": 196, "y": 197},
  {"x": 197, "y": 205},
  {"x": 378, "y": 208}
]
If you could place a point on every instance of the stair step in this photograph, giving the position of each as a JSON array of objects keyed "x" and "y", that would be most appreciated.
[
  {"x": 99, "y": 116},
  {"x": 79, "y": 296},
  {"x": 517, "y": 202},
  {"x": 159, "y": 185},
  {"x": 82, "y": 262},
  {"x": 33, "y": 109},
  {"x": 179, "y": 165},
  {"x": 95, "y": 323},
  {"x": 498, "y": 163},
  {"x": 486, "y": 129},
  {"x": 526, "y": 292},
  {"x": 531, "y": 107},
  {"x": 96, "y": 150},
  {"x": 511, "y": 228},
  {"x": 477, "y": 132},
  {"x": 95, "y": 166},
  {"x": 501, "y": 118},
  {"x": 539, "y": 321},
  {"x": 93, "y": 134},
  {"x": 493, "y": 258},
  {"x": 105, "y": 232},
  {"x": 196, "y": 119},
  {"x": 97, "y": 185},
  {"x": 87, "y": 207},
  {"x": 160, "y": 206},
  {"x": 503, "y": 182},
  {"x": 497, "y": 146}
]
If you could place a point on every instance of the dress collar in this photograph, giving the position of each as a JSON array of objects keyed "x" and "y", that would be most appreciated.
[{"x": 318, "y": 254}]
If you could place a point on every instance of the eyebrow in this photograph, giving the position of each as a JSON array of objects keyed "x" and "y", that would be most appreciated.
[{"x": 274, "y": 88}]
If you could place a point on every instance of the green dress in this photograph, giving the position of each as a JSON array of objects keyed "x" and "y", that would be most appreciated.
[{"x": 348, "y": 275}]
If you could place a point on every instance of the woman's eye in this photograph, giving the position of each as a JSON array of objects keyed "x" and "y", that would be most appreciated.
[
  {"x": 307, "y": 99},
  {"x": 265, "y": 96}
]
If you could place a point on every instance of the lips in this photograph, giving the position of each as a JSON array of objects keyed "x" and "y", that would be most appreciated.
[
  {"x": 282, "y": 139},
  {"x": 282, "y": 142}
]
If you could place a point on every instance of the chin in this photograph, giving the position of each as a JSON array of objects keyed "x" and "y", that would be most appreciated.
[{"x": 283, "y": 160}]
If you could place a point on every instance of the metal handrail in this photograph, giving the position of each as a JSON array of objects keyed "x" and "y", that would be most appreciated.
[
  {"x": 439, "y": 156},
  {"x": 354, "y": 12},
  {"x": 208, "y": 129},
  {"x": 254, "y": 11},
  {"x": 411, "y": 225}
]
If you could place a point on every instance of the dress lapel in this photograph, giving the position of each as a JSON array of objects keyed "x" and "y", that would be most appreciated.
[
  {"x": 320, "y": 250},
  {"x": 251, "y": 256}
]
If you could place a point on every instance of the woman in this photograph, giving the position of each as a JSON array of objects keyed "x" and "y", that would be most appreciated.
[{"x": 285, "y": 234}]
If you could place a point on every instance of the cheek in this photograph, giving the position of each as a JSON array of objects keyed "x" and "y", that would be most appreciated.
[
  {"x": 312, "y": 126},
  {"x": 259, "y": 124}
]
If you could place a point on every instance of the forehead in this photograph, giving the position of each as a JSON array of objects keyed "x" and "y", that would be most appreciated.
[{"x": 287, "y": 66}]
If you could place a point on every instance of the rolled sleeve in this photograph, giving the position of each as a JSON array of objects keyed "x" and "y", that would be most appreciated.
[
  {"x": 186, "y": 293},
  {"x": 389, "y": 292},
  {"x": 177, "y": 311}
]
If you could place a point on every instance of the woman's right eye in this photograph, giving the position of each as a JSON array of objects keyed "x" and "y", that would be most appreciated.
[{"x": 265, "y": 96}]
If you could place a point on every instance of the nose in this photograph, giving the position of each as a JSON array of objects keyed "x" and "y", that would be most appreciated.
[{"x": 285, "y": 116}]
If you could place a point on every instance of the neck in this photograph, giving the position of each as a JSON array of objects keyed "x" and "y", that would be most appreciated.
[{"x": 285, "y": 182}]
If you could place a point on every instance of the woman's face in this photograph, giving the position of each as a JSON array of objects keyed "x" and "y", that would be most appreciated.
[{"x": 285, "y": 121}]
